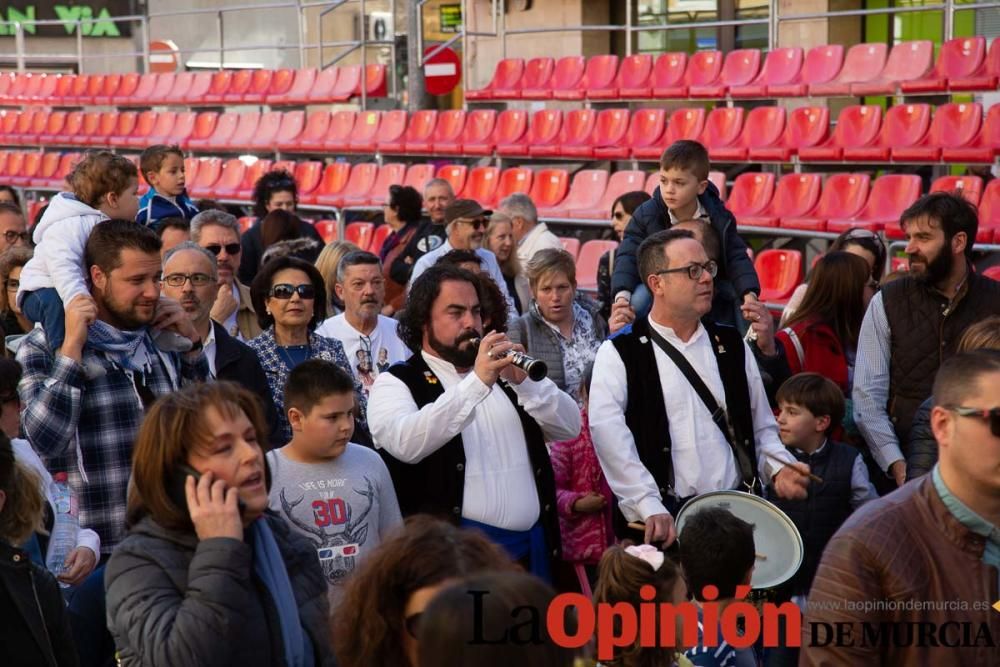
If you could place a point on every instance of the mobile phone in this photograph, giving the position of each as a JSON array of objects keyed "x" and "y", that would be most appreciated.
[{"x": 176, "y": 484}]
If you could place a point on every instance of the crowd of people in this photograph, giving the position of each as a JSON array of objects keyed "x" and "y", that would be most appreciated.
[{"x": 285, "y": 452}]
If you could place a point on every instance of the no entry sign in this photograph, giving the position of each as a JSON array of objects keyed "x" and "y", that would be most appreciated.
[{"x": 442, "y": 71}]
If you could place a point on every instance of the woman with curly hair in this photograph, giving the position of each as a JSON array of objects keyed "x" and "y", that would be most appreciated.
[
  {"x": 275, "y": 190},
  {"x": 12, "y": 260},
  {"x": 378, "y": 621}
]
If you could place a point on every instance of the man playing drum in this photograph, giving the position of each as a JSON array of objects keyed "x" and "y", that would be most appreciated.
[{"x": 657, "y": 439}]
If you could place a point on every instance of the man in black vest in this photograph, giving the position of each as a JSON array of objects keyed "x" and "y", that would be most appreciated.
[
  {"x": 658, "y": 442},
  {"x": 915, "y": 323},
  {"x": 458, "y": 443}
]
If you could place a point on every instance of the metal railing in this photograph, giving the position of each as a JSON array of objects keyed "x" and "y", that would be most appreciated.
[{"x": 22, "y": 57}]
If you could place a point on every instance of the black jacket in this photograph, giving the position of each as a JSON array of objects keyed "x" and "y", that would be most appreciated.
[
  {"x": 175, "y": 600},
  {"x": 253, "y": 248},
  {"x": 922, "y": 453},
  {"x": 237, "y": 362},
  {"x": 427, "y": 237},
  {"x": 652, "y": 216},
  {"x": 34, "y": 625}
]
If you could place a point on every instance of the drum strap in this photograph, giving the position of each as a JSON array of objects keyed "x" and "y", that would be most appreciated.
[{"x": 718, "y": 413}]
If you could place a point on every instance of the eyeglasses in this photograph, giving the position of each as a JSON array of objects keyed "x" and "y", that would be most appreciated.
[
  {"x": 412, "y": 624},
  {"x": 231, "y": 248},
  {"x": 285, "y": 291},
  {"x": 992, "y": 416},
  {"x": 476, "y": 223},
  {"x": 178, "y": 279},
  {"x": 10, "y": 236},
  {"x": 694, "y": 271},
  {"x": 12, "y": 284}
]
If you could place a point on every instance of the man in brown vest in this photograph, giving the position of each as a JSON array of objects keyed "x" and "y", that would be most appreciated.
[{"x": 914, "y": 324}]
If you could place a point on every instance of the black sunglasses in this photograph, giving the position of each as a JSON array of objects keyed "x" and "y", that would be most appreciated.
[
  {"x": 992, "y": 416},
  {"x": 285, "y": 291},
  {"x": 477, "y": 223},
  {"x": 231, "y": 248}
]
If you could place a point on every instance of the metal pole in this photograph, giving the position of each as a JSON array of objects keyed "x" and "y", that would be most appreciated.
[
  {"x": 79, "y": 46},
  {"x": 628, "y": 27},
  {"x": 466, "y": 56},
  {"x": 772, "y": 24},
  {"x": 364, "y": 62},
  {"x": 222, "y": 49},
  {"x": 19, "y": 46},
  {"x": 949, "y": 19},
  {"x": 302, "y": 33},
  {"x": 416, "y": 91},
  {"x": 393, "y": 82},
  {"x": 144, "y": 23}
]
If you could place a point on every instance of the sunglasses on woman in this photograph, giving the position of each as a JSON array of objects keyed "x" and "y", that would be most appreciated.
[
  {"x": 991, "y": 416},
  {"x": 285, "y": 291}
]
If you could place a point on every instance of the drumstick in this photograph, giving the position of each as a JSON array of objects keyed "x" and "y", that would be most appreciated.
[
  {"x": 636, "y": 525},
  {"x": 815, "y": 478}
]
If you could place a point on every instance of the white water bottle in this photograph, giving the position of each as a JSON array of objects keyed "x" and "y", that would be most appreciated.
[{"x": 64, "y": 528}]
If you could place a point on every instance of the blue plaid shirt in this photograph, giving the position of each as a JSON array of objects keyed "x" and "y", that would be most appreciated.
[{"x": 86, "y": 427}]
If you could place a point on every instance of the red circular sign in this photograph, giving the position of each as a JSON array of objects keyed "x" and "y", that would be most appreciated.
[{"x": 442, "y": 71}]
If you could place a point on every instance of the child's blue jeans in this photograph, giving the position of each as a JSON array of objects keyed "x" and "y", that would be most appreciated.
[{"x": 45, "y": 306}]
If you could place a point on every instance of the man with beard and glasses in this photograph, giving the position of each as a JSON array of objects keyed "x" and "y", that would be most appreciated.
[
  {"x": 190, "y": 277},
  {"x": 365, "y": 333},
  {"x": 915, "y": 323},
  {"x": 83, "y": 423},
  {"x": 219, "y": 233},
  {"x": 463, "y": 431}
]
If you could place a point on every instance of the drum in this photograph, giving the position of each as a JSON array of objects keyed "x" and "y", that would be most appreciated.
[{"x": 777, "y": 541}]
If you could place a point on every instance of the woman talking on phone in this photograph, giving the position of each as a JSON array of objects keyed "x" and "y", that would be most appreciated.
[{"x": 206, "y": 576}]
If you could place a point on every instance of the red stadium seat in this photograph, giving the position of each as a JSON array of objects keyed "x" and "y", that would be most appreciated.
[
  {"x": 183, "y": 128},
  {"x": 575, "y": 130},
  {"x": 228, "y": 185},
  {"x": 46, "y": 171},
  {"x": 646, "y": 130},
  {"x": 722, "y": 128},
  {"x": 243, "y": 136},
  {"x": 955, "y": 125},
  {"x": 635, "y": 76},
  {"x": 904, "y": 125},
  {"x": 348, "y": 81},
  {"x": 14, "y": 168},
  {"x": 455, "y": 175},
  {"x": 277, "y": 128},
  {"x": 970, "y": 187},
  {"x": 191, "y": 165},
  {"x": 764, "y": 128},
  {"x": 619, "y": 183},
  {"x": 549, "y": 187},
  {"x": 390, "y": 173},
  {"x": 29, "y": 168},
  {"x": 152, "y": 128},
  {"x": 30, "y": 93},
  {"x": 907, "y": 61},
  {"x": 334, "y": 179},
  {"x": 516, "y": 180},
  {"x": 417, "y": 176},
  {"x": 587, "y": 261},
  {"x": 103, "y": 97},
  {"x": 382, "y": 233},
  {"x": 53, "y": 127},
  {"x": 127, "y": 89},
  {"x": 703, "y": 69},
  {"x": 250, "y": 178},
  {"x": 781, "y": 67},
  {"x": 204, "y": 126},
  {"x": 313, "y": 135},
  {"x": 142, "y": 94},
  {"x": 718, "y": 179},
  {"x": 751, "y": 194},
  {"x": 537, "y": 78},
  {"x": 164, "y": 84},
  {"x": 585, "y": 192},
  {"x": 989, "y": 214},
  {"x": 327, "y": 230},
  {"x": 599, "y": 81},
  {"x": 566, "y": 78},
  {"x": 91, "y": 121},
  {"x": 71, "y": 127},
  {"x": 740, "y": 67},
  {"x": 481, "y": 184},
  {"x": 260, "y": 84},
  {"x": 506, "y": 81},
  {"x": 667, "y": 79},
  {"x": 101, "y": 137},
  {"x": 338, "y": 135},
  {"x": 511, "y": 126},
  {"x": 64, "y": 84},
  {"x": 307, "y": 176},
  {"x": 280, "y": 84},
  {"x": 392, "y": 131},
  {"x": 178, "y": 93},
  {"x": 219, "y": 138},
  {"x": 365, "y": 132},
  {"x": 246, "y": 222},
  {"x": 780, "y": 272},
  {"x": 477, "y": 137},
  {"x": 200, "y": 85},
  {"x": 890, "y": 196},
  {"x": 447, "y": 137},
  {"x": 794, "y": 196},
  {"x": 843, "y": 197},
  {"x": 544, "y": 130},
  {"x": 217, "y": 90},
  {"x": 360, "y": 234},
  {"x": 66, "y": 163},
  {"x": 298, "y": 92},
  {"x": 985, "y": 77},
  {"x": 18, "y": 82},
  {"x": 610, "y": 133},
  {"x": 359, "y": 184},
  {"x": 376, "y": 81},
  {"x": 420, "y": 132},
  {"x": 94, "y": 86},
  {"x": 984, "y": 147},
  {"x": 863, "y": 63},
  {"x": 858, "y": 125},
  {"x": 993, "y": 272},
  {"x": 21, "y": 130},
  {"x": 209, "y": 170},
  {"x": 957, "y": 58},
  {"x": 571, "y": 245},
  {"x": 686, "y": 123},
  {"x": 321, "y": 90},
  {"x": 239, "y": 85},
  {"x": 821, "y": 65}
]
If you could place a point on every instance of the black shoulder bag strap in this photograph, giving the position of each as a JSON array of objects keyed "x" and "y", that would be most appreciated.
[{"x": 718, "y": 413}]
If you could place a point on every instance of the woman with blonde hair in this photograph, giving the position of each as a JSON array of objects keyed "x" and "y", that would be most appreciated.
[
  {"x": 499, "y": 240},
  {"x": 922, "y": 454},
  {"x": 327, "y": 262}
]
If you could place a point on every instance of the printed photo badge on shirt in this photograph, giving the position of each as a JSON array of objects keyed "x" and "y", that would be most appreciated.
[{"x": 431, "y": 378}]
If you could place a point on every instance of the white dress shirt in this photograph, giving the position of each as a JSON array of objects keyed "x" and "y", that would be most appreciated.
[
  {"x": 230, "y": 324},
  {"x": 489, "y": 263},
  {"x": 702, "y": 459},
  {"x": 209, "y": 347},
  {"x": 499, "y": 482},
  {"x": 539, "y": 238},
  {"x": 384, "y": 347}
]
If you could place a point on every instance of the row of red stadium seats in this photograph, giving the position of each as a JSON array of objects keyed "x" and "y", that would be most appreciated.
[
  {"x": 867, "y": 69},
  {"x": 210, "y": 88},
  {"x": 953, "y": 132}
]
